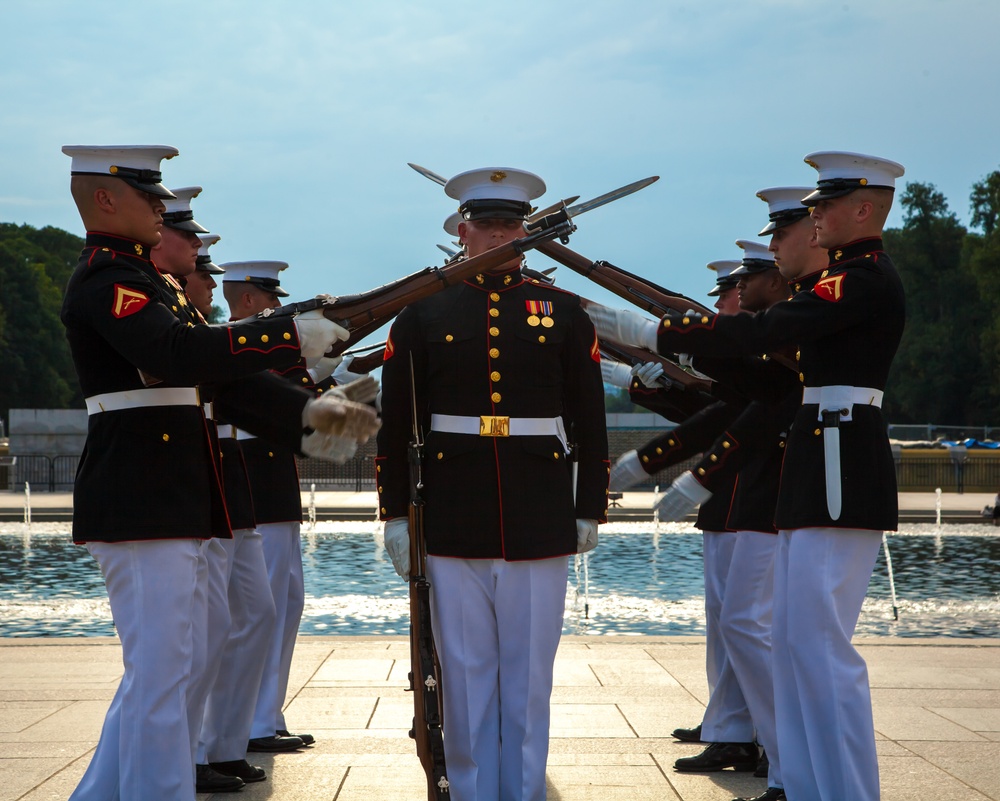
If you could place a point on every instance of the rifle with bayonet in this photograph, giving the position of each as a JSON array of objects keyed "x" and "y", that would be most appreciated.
[
  {"x": 425, "y": 673},
  {"x": 636, "y": 290},
  {"x": 363, "y": 313}
]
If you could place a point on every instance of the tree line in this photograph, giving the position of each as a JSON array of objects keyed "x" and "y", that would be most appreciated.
[{"x": 947, "y": 371}]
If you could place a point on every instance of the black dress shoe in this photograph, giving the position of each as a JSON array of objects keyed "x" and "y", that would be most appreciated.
[
  {"x": 718, "y": 756},
  {"x": 688, "y": 735},
  {"x": 762, "y": 766},
  {"x": 211, "y": 781},
  {"x": 274, "y": 744},
  {"x": 770, "y": 794},
  {"x": 307, "y": 739},
  {"x": 241, "y": 769}
]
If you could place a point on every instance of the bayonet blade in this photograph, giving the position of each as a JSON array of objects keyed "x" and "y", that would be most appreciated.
[
  {"x": 438, "y": 179},
  {"x": 609, "y": 197}
]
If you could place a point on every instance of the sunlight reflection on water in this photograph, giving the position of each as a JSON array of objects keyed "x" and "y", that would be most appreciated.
[{"x": 642, "y": 579}]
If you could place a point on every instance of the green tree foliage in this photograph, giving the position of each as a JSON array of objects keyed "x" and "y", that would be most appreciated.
[
  {"x": 35, "y": 364},
  {"x": 616, "y": 401},
  {"x": 939, "y": 351},
  {"x": 982, "y": 260}
]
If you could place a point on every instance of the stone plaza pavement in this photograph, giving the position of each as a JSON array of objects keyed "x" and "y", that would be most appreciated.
[{"x": 616, "y": 699}]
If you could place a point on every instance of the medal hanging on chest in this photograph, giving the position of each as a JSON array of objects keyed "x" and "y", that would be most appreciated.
[{"x": 539, "y": 313}]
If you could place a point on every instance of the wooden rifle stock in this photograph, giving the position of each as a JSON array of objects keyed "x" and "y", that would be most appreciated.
[
  {"x": 638, "y": 291},
  {"x": 425, "y": 672},
  {"x": 362, "y": 365},
  {"x": 363, "y": 313}
]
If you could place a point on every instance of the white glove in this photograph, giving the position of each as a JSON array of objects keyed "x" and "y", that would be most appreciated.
[
  {"x": 361, "y": 390},
  {"x": 343, "y": 374},
  {"x": 329, "y": 414},
  {"x": 586, "y": 535},
  {"x": 317, "y": 334},
  {"x": 648, "y": 373},
  {"x": 626, "y": 472},
  {"x": 396, "y": 535},
  {"x": 329, "y": 447},
  {"x": 687, "y": 360},
  {"x": 625, "y": 327},
  {"x": 378, "y": 402},
  {"x": 324, "y": 368},
  {"x": 681, "y": 497},
  {"x": 616, "y": 374}
]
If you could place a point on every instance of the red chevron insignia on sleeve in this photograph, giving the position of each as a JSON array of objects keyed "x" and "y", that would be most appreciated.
[
  {"x": 831, "y": 288},
  {"x": 595, "y": 350},
  {"x": 389, "y": 348},
  {"x": 127, "y": 301}
]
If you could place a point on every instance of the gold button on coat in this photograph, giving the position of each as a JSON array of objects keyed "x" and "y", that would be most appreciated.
[
  {"x": 494, "y": 353},
  {"x": 495, "y": 397},
  {"x": 494, "y": 296},
  {"x": 263, "y": 338},
  {"x": 494, "y": 376},
  {"x": 242, "y": 340},
  {"x": 287, "y": 336},
  {"x": 494, "y": 312},
  {"x": 166, "y": 438},
  {"x": 448, "y": 338},
  {"x": 494, "y": 332}
]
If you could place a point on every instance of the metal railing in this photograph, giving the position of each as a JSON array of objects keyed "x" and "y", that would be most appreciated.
[
  {"x": 930, "y": 432},
  {"x": 43, "y": 473},
  {"x": 357, "y": 474}
]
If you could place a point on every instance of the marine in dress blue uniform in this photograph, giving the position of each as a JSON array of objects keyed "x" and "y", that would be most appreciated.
[
  {"x": 753, "y": 445},
  {"x": 726, "y": 718},
  {"x": 251, "y": 287},
  {"x": 838, "y": 490},
  {"x": 147, "y": 495},
  {"x": 507, "y": 376}
]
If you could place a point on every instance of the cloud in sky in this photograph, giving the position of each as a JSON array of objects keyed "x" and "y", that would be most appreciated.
[{"x": 298, "y": 119}]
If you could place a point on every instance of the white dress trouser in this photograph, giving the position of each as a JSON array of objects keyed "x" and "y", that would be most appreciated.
[
  {"x": 746, "y": 628},
  {"x": 496, "y": 628},
  {"x": 727, "y": 718},
  {"x": 217, "y": 623},
  {"x": 156, "y": 590},
  {"x": 229, "y": 712},
  {"x": 283, "y": 555},
  {"x": 821, "y": 695}
]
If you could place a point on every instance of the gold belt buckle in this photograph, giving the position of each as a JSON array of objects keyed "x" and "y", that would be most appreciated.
[{"x": 490, "y": 426}]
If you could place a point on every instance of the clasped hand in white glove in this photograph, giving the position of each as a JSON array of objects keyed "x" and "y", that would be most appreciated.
[
  {"x": 586, "y": 535},
  {"x": 360, "y": 390},
  {"x": 648, "y": 373},
  {"x": 624, "y": 327},
  {"x": 343, "y": 374},
  {"x": 626, "y": 472},
  {"x": 616, "y": 374},
  {"x": 681, "y": 497},
  {"x": 329, "y": 414},
  {"x": 317, "y": 334},
  {"x": 396, "y": 536},
  {"x": 329, "y": 446},
  {"x": 324, "y": 368}
]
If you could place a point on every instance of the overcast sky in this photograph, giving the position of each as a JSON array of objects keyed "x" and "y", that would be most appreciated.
[{"x": 298, "y": 118}]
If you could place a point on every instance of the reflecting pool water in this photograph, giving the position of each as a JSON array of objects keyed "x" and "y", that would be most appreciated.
[{"x": 642, "y": 579}]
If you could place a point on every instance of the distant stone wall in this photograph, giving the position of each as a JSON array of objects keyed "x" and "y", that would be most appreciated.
[{"x": 47, "y": 432}]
